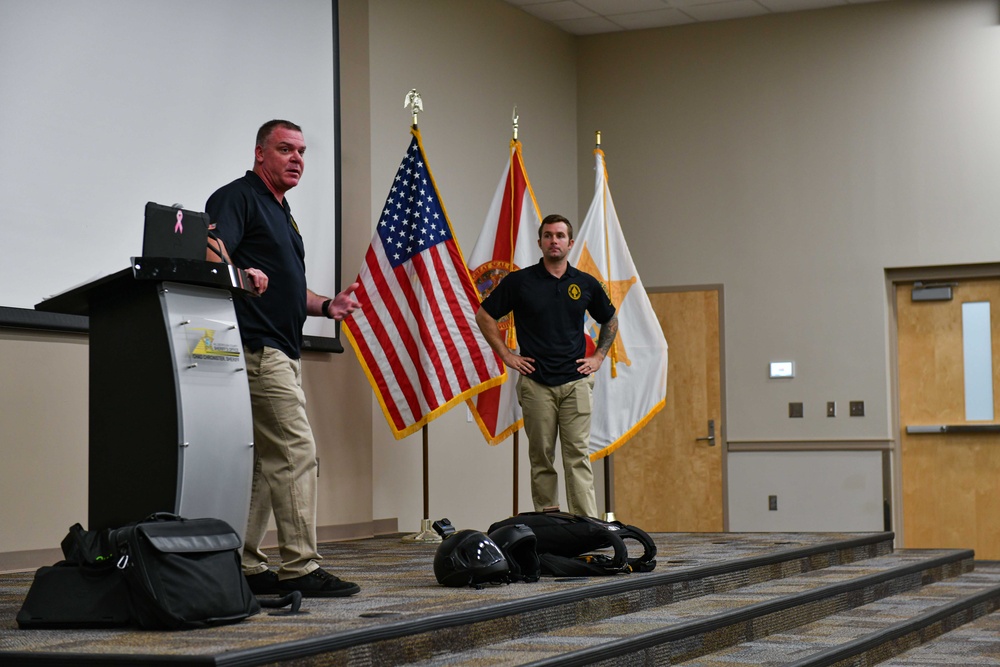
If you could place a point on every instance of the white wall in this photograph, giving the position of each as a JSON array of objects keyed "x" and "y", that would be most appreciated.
[{"x": 815, "y": 491}]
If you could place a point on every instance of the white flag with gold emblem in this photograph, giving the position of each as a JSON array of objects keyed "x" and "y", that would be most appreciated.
[{"x": 631, "y": 386}]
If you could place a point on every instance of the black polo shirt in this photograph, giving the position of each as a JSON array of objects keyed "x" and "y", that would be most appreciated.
[
  {"x": 549, "y": 316},
  {"x": 259, "y": 233}
]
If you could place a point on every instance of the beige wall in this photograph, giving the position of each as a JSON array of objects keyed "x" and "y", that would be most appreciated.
[
  {"x": 43, "y": 441},
  {"x": 791, "y": 158}
]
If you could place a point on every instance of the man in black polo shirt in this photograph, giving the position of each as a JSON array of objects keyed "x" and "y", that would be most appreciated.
[
  {"x": 255, "y": 228},
  {"x": 556, "y": 385}
]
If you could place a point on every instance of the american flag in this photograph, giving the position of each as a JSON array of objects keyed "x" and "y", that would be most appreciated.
[{"x": 415, "y": 333}]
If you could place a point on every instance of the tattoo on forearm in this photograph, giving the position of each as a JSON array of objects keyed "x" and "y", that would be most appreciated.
[{"x": 607, "y": 336}]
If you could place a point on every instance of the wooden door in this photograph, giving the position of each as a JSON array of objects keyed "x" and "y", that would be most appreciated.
[
  {"x": 950, "y": 481},
  {"x": 666, "y": 479}
]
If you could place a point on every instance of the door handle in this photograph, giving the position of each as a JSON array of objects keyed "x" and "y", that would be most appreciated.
[{"x": 710, "y": 438}]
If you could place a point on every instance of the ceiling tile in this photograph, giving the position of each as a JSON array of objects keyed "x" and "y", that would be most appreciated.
[
  {"x": 614, "y": 7},
  {"x": 558, "y": 11},
  {"x": 723, "y": 11},
  {"x": 594, "y": 25},
  {"x": 657, "y": 19},
  {"x": 797, "y": 5},
  {"x": 590, "y": 17}
]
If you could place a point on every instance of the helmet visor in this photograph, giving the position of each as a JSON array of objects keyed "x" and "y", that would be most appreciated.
[{"x": 478, "y": 551}]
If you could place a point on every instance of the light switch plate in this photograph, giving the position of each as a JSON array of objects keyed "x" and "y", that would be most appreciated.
[{"x": 782, "y": 369}]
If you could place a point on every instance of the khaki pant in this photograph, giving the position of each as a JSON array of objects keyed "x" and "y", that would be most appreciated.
[
  {"x": 284, "y": 473},
  {"x": 563, "y": 411}
]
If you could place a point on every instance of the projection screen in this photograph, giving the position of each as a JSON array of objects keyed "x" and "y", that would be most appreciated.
[{"x": 108, "y": 104}]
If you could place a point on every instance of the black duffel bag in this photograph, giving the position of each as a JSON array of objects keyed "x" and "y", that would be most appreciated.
[
  {"x": 85, "y": 590},
  {"x": 74, "y": 595},
  {"x": 182, "y": 573}
]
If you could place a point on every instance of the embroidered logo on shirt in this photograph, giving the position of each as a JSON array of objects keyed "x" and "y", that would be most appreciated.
[{"x": 574, "y": 291}]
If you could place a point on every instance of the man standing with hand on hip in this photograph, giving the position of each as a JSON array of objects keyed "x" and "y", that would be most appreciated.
[{"x": 549, "y": 301}]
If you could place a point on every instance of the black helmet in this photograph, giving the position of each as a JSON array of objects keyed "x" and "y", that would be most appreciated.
[
  {"x": 469, "y": 558},
  {"x": 517, "y": 544}
]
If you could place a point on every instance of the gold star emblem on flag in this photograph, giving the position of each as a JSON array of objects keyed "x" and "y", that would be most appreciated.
[{"x": 617, "y": 290}]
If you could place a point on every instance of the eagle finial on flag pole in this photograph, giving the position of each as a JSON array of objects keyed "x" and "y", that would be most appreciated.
[{"x": 413, "y": 98}]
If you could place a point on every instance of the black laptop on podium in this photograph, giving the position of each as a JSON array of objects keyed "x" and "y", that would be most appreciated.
[{"x": 171, "y": 231}]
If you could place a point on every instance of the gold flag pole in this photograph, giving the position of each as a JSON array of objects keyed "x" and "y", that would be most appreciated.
[
  {"x": 427, "y": 533},
  {"x": 516, "y": 444},
  {"x": 613, "y": 352},
  {"x": 609, "y": 465},
  {"x": 512, "y": 241}
]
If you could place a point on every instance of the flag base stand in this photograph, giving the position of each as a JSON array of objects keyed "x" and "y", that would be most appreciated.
[
  {"x": 609, "y": 516},
  {"x": 426, "y": 535}
]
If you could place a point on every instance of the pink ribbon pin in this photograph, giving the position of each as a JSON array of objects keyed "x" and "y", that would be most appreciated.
[{"x": 179, "y": 227}]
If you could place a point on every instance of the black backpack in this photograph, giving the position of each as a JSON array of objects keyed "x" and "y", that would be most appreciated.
[{"x": 564, "y": 543}]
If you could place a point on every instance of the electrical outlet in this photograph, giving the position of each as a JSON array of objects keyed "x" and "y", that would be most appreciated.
[
  {"x": 795, "y": 410},
  {"x": 831, "y": 408},
  {"x": 857, "y": 408},
  {"x": 772, "y": 503}
]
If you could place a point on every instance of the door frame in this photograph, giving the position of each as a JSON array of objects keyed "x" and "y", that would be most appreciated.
[
  {"x": 893, "y": 278},
  {"x": 721, "y": 429}
]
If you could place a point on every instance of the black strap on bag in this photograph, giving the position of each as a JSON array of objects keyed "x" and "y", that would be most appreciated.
[
  {"x": 564, "y": 543},
  {"x": 183, "y": 573},
  {"x": 86, "y": 547}
]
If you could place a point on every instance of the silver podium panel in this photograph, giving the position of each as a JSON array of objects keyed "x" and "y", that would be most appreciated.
[{"x": 215, "y": 424}]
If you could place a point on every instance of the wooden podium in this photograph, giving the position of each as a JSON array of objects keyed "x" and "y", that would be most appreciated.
[{"x": 170, "y": 422}]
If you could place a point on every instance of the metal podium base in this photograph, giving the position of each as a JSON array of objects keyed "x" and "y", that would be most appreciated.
[{"x": 427, "y": 533}]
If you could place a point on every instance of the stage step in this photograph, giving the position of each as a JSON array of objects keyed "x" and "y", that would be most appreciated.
[
  {"x": 878, "y": 631},
  {"x": 684, "y": 630},
  {"x": 710, "y": 590},
  {"x": 976, "y": 643},
  {"x": 689, "y": 566}
]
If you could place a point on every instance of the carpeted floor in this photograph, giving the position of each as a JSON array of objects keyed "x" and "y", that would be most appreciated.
[{"x": 400, "y": 597}]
